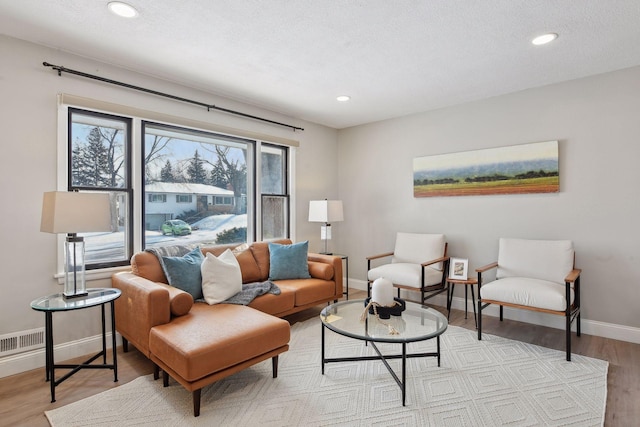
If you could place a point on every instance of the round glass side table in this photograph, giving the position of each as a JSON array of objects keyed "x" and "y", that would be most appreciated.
[{"x": 57, "y": 303}]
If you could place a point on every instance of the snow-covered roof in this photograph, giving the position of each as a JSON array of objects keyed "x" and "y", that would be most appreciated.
[{"x": 186, "y": 188}]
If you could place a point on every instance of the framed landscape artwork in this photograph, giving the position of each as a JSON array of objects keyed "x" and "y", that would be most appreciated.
[{"x": 517, "y": 169}]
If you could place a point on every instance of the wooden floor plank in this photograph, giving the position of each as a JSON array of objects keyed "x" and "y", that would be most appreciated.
[{"x": 25, "y": 397}]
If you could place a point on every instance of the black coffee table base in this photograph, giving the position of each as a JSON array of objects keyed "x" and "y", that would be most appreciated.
[{"x": 404, "y": 356}]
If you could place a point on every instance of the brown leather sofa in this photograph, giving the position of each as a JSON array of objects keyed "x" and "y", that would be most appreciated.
[{"x": 198, "y": 344}]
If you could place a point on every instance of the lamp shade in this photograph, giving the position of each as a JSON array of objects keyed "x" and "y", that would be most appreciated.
[
  {"x": 74, "y": 212},
  {"x": 325, "y": 211}
]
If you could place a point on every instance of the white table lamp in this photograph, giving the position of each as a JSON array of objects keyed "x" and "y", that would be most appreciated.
[
  {"x": 326, "y": 211},
  {"x": 71, "y": 213}
]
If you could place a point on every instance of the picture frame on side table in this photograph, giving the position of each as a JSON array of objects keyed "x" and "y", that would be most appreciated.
[{"x": 458, "y": 268}]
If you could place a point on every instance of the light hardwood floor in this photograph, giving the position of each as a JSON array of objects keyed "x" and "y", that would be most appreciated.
[{"x": 25, "y": 397}]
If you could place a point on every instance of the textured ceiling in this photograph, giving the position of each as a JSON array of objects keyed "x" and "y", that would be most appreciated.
[{"x": 295, "y": 56}]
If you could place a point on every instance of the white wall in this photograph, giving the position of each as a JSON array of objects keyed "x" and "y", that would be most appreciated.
[
  {"x": 597, "y": 123},
  {"x": 28, "y": 167}
]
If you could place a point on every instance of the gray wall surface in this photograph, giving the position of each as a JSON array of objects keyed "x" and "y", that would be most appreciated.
[{"x": 596, "y": 121}]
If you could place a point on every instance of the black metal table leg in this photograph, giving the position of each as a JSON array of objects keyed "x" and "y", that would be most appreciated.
[
  {"x": 104, "y": 337},
  {"x": 473, "y": 298},
  {"x": 465, "y": 301},
  {"x": 404, "y": 375},
  {"x": 113, "y": 342},
  {"x": 49, "y": 354},
  {"x": 322, "y": 351},
  {"x": 450, "y": 289}
]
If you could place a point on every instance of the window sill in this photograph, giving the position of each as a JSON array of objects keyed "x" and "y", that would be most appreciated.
[{"x": 91, "y": 275}]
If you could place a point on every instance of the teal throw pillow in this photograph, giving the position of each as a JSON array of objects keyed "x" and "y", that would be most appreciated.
[
  {"x": 184, "y": 272},
  {"x": 288, "y": 261}
]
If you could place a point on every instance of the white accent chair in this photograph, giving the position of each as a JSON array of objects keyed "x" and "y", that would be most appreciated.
[
  {"x": 536, "y": 275},
  {"x": 418, "y": 263}
]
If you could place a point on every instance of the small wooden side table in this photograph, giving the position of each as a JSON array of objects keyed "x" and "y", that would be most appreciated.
[{"x": 468, "y": 282}]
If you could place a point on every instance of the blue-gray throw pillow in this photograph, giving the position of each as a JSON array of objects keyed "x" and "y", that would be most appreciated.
[
  {"x": 184, "y": 272},
  {"x": 288, "y": 261}
]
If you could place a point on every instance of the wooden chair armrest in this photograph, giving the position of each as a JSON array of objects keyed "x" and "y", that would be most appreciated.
[
  {"x": 369, "y": 258},
  {"x": 486, "y": 267},
  {"x": 573, "y": 276},
  {"x": 434, "y": 261}
]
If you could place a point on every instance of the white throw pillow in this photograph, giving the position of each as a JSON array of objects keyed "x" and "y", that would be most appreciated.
[{"x": 221, "y": 277}]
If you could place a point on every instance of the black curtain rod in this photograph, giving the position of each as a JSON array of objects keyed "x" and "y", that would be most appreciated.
[{"x": 209, "y": 107}]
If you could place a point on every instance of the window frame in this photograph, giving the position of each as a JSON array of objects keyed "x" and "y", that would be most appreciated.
[
  {"x": 251, "y": 148},
  {"x": 286, "y": 183},
  {"x": 127, "y": 189},
  {"x": 135, "y": 146}
]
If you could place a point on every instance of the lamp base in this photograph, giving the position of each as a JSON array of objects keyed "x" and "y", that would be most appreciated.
[
  {"x": 74, "y": 280},
  {"x": 78, "y": 295}
]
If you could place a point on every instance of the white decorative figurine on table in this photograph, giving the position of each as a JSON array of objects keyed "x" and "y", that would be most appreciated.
[{"x": 382, "y": 303}]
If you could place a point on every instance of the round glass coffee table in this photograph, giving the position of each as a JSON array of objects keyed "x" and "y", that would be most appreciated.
[{"x": 417, "y": 323}]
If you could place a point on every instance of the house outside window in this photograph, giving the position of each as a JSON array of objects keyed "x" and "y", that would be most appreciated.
[{"x": 184, "y": 198}]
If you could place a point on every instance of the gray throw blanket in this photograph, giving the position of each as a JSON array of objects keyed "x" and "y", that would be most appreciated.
[{"x": 252, "y": 290}]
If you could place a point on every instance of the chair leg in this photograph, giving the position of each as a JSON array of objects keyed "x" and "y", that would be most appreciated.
[
  {"x": 501, "y": 313},
  {"x": 568, "y": 317},
  {"x": 479, "y": 318},
  {"x": 165, "y": 379},
  {"x": 196, "y": 402},
  {"x": 578, "y": 325},
  {"x": 125, "y": 345},
  {"x": 156, "y": 371}
]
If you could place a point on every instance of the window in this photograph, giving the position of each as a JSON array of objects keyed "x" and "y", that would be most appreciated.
[
  {"x": 274, "y": 197},
  {"x": 201, "y": 163},
  {"x": 157, "y": 198},
  {"x": 221, "y": 200},
  {"x": 208, "y": 180},
  {"x": 99, "y": 161}
]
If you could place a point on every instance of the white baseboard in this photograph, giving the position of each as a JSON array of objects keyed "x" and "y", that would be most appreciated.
[
  {"x": 22, "y": 362},
  {"x": 589, "y": 327}
]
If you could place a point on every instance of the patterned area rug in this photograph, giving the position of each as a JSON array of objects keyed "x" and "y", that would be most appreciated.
[{"x": 491, "y": 382}]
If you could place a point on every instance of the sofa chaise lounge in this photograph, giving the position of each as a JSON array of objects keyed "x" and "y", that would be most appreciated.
[{"x": 196, "y": 343}]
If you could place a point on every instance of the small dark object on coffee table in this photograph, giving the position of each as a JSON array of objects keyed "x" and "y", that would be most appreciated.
[{"x": 387, "y": 312}]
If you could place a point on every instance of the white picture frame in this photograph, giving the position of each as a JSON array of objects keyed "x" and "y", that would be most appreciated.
[{"x": 458, "y": 268}]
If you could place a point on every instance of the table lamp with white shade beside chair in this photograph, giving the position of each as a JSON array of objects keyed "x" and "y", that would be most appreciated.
[{"x": 325, "y": 211}]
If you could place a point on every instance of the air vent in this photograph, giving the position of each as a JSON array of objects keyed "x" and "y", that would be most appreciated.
[{"x": 18, "y": 342}]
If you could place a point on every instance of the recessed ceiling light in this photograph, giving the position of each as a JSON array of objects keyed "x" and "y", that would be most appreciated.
[
  {"x": 343, "y": 98},
  {"x": 544, "y": 39},
  {"x": 122, "y": 9}
]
